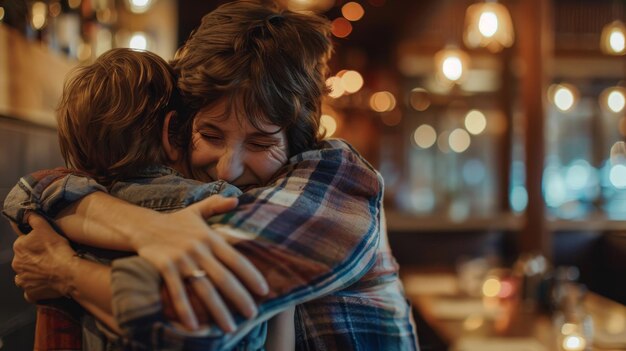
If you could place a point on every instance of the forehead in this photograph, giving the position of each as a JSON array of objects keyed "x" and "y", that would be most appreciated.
[{"x": 230, "y": 116}]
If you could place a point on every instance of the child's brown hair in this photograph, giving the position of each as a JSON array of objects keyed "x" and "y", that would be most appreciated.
[{"x": 112, "y": 112}]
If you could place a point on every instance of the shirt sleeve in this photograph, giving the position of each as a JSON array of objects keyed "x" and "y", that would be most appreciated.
[
  {"x": 47, "y": 192},
  {"x": 311, "y": 232}
]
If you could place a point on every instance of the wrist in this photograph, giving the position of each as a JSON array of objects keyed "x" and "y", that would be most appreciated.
[{"x": 65, "y": 280}]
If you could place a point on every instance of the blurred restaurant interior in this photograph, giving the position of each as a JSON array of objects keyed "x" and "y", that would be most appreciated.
[{"x": 498, "y": 127}]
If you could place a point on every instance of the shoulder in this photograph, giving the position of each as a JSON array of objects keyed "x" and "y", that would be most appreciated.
[{"x": 335, "y": 162}]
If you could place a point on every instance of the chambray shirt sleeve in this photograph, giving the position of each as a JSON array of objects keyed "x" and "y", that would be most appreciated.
[{"x": 46, "y": 192}]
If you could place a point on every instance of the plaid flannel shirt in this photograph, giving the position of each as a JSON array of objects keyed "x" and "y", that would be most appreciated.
[{"x": 315, "y": 232}]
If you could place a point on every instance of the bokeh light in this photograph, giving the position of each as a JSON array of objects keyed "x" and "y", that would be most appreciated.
[
  {"x": 613, "y": 38},
  {"x": 328, "y": 124},
  {"x": 425, "y": 136},
  {"x": 574, "y": 343},
  {"x": 54, "y": 9},
  {"x": 341, "y": 27},
  {"x": 336, "y": 87},
  {"x": 459, "y": 140},
  {"x": 39, "y": 14},
  {"x": 138, "y": 41},
  {"x": 563, "y": 96},
  {"x": 475, "y": 122},
  {"x": 382, "y": 101},
  {"x": 488, "y": 24},
  {"x": 352, "y": 81},
  {"x": 352, "y": 11},
  {"x": 616, "y": 40},
  {"x": 442, "y": 141},
  {"x": 74, "y": 3},
  {"x": 491, "y": 287},
  {"x": 616, "y": 101},
  {"x": 613, "y": 99},
  {"x": 419, "y": 99},
  {"x": 474, "y": 172},
  {"x": 617, "y": 176},
  {"x": 139, "y": 6},
  {"x": 1, "y": 13},
  {"x": 519, "y": 198}
]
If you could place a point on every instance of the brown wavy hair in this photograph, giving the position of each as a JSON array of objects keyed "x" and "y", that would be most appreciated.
[
  {"x": 111, "y": 114},
  {"x": 269, "y": 63}
]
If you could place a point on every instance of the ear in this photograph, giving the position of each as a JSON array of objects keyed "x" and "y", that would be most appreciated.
[{"x": 172, "y": 151}]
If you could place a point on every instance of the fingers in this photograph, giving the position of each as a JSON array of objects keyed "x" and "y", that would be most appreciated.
[
  {"x": 240, "y": 266},
  {"x": 179, "y": 297},
  {"x": 36, "y": 221},
  {"x": 213, "y": 205},
  {"x": 214, "y": 303},
  {"x": 228, "y": 285}
]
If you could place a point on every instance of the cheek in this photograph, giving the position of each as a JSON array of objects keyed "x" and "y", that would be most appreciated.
[
  {"x": 266, "y": 165},
  {"x": 202, "y": 154}
]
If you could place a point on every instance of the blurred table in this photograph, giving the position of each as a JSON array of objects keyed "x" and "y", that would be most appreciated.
[{"x": 473, "y": 323}]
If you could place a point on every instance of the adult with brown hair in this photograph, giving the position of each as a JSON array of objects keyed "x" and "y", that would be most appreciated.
[{"x": 252, "y": 79}]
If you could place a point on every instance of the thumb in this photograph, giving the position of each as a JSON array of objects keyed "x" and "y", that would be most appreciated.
[
  {"x": 36, "y": 221},
  {"x": 215, "y": 204}
]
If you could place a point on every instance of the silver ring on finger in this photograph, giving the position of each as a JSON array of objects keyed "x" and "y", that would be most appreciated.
[{"x": 195, "y": 275}]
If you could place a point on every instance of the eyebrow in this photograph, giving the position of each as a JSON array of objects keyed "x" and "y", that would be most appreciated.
[{"x": 257, "y": 134}]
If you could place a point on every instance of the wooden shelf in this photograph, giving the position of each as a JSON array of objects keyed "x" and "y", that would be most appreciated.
[{"x": 31, "y": 78}]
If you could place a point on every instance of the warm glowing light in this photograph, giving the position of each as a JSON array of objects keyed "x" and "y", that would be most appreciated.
[
  {"x": 138, "y": 41},
  {"x": 452, "y": 68},
  {"x": 613, "y": 99},
  {"x": 309, "y": 5},
  {"x": 1, "y": 13},
  {"x": 341, "y": 27},
  {"x": 451, "y": 64},
  {"x": 488, "y": 24},
  {"x": 506, "y": 289},
  {"x": 475, "y": 122},
  {"x": 491, "y": 287},
  {"x": 568, "y": 328},
  {"x": 73, "y": 3},
  {"x": 473, "y": 322},
  {"x": 382, "y": 101},
  {"x": 616, "y": 101},
  {"x": 139, "y": 6},
  {"x": 328, "y": 124},
  {"x": 442, "y": 141},
  {"x": 39, "y": 14},
  {"x": 419, "y": 99},
  {"x": 425, "y": 136},
  {"x": 616, "y": 40},
  {"x": 336, "y": 87},
  {"x": 352, "y": 81},
  {"x": 459, "y": 140},
  {"x": 574, "y": 343},
  {"x": 352, "y": 11},
  {"x": 613, "y": 38},
  {"x": 563, "y": 96}
]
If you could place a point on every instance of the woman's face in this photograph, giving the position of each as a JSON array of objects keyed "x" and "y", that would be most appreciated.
[{"x": 233, "y": 150}]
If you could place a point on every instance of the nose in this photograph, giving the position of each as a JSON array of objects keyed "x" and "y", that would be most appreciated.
[{"x": 230, "y": 165}]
